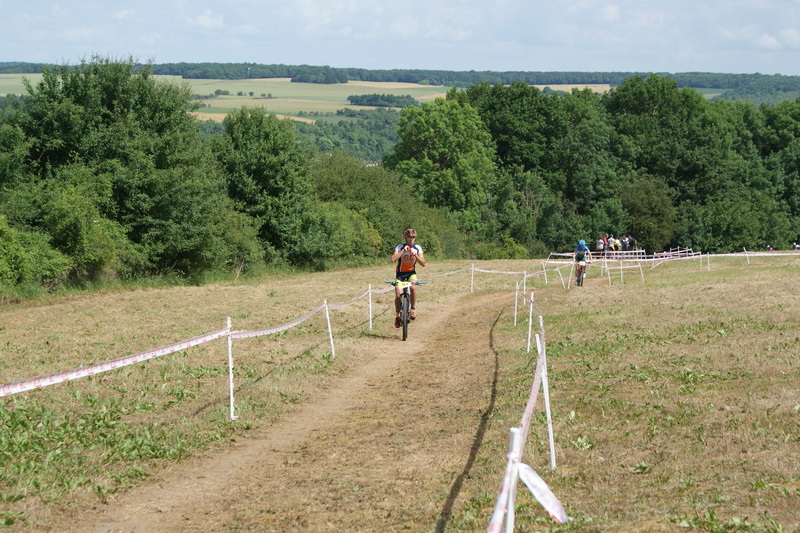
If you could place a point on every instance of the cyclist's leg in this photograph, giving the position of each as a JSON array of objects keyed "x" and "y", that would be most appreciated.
[
  {"x": 413, "y": 312},
  {"x": 398, "y": 277}
]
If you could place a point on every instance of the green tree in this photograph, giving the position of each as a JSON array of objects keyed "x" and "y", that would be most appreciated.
[
  {"x": 445, "y": 155},
  {"x": 651, "y": 217},
  {"x": 27, "y": 258},
  {"x": 744, "y": 219},
  {"x": 377, "y": 194},
  {"x": 114, "y": 148},
  {"x": 267, "y": 173}
]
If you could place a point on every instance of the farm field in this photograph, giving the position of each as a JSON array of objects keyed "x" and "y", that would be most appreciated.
[
  {"x": 674, "y": 404},
  {"x": 297, "y": 100},
  {"x": 286, "y": 98}
]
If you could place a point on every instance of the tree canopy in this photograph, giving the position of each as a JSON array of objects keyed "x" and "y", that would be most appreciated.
[{"x": 105, "y": 173}]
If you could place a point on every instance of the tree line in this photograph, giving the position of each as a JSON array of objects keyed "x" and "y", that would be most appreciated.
[
  {"x": 647, "y": 158},
  {"x": 382, "y": 100},
  {"x": 105, "y": 174}
]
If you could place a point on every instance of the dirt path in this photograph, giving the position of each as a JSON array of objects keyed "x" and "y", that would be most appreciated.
[{"x": 388, "y": 447}]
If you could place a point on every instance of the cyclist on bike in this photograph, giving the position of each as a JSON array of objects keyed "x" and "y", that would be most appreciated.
[
  {"x": 579, "y": 254},
  {"x": 407, "y": 256}
]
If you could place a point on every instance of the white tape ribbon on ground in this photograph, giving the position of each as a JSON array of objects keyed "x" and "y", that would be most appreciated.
[
  {"x": 543, "y": 494},
  {"x": 69, "y": 375}
]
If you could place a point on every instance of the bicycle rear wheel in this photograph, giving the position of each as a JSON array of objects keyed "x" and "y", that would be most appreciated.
[{"x": 405, "y": 305}]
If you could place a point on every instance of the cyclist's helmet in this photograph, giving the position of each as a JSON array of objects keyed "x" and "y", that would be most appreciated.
[
  {"x": 582, "y": 242},
  {"x": 409, "y": 233}
]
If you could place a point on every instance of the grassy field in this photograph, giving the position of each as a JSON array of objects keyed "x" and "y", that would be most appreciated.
[
  {"x": 281, "y": 97},
  {"x": 285, "y": 98},
  {"x": 675, "y": 400}
]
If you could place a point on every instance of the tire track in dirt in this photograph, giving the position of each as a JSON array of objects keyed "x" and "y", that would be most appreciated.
[{"x": 383, "y": 447}]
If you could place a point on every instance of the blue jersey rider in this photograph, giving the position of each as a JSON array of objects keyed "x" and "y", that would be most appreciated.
[
  {"x": 407, "y": 256},
  {"x": 581, "y": 251},
  {"x": 579, "y": 255}
]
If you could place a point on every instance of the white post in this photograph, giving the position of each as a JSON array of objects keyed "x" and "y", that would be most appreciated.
[
  {"x": 642, "y": 273},
  {"x": 369, "y": 289},
  {"x": 230, "y": 367},
  {"x": 516, "y": 299},
  {"x": 530, "y": 324},
  {"x": 472, "y": 279},
  {"x": 747, "y": 256},
  {"x": 546, "y": 390},
  {"x": 524, "y": 280},
  {"x": 569, "y": 281},
  {"x": 608, "y": 273},
  {"x": 330, "y": 331},
  {"x": 514, "y": 457}
]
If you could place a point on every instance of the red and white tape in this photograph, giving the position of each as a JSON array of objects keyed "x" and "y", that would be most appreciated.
[
  {"x": 246, "y": 334},
  {"x": 69, "y": 375}
]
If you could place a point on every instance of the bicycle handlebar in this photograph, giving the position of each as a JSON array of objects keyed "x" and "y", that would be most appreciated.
[{"x": 395, "y": 283}]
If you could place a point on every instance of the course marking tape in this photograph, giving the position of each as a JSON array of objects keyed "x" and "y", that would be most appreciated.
[{"x": 69, "y": 375}]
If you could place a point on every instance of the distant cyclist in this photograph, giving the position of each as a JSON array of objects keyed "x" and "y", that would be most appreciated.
[
  {"x": 580, "y": 253},
  {"x": 407, "y": 256}
]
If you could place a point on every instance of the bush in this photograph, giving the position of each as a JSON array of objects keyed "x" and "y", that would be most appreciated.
[{"x": 26, "y": 257}]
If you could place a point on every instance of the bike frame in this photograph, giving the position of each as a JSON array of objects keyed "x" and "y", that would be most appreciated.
[{"x": 405, "y": 302}]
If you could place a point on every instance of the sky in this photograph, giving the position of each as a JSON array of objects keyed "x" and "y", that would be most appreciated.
[{"x": 670, "y": 36}]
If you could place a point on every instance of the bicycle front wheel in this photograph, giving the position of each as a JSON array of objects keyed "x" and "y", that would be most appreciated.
[{"x": 405, "y": 307}]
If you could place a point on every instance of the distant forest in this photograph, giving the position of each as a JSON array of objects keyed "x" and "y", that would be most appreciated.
[{"x": 756, "y": 88}]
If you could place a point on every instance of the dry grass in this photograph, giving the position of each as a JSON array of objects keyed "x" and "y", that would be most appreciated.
[{"x": 674, "y": 402}]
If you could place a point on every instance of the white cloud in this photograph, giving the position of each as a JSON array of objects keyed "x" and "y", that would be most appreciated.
[
  {"x": 119, "y": 15},
  {"x": 246, "y": 29},
  {"x": 76, "y": 33},
  {"x": 768, "y": 41},
  {"x": 646, "y": 19},
  {"x": 209, "y": 20},
  {"x": 151, "y": 39},
  {"x": 791, "y": 37},
  {"x": 404, "y": 26},
  {"x": 610, "y": 13}
]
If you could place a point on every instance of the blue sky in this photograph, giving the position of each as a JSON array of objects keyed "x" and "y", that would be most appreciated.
[{"x": 732, "y": 36}]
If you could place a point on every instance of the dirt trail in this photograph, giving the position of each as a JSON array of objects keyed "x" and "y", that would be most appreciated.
[{"x": 386, "y": 447}]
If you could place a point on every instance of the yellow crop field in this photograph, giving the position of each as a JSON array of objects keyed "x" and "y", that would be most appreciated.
[{"x": 282, "y": 97}]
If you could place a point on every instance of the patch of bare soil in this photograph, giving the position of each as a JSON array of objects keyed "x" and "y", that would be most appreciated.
[
  {"x": 219, "y": 117},
  {"x": 387, "y": 447}
]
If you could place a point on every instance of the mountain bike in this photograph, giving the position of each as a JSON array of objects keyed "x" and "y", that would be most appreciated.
[
  {"x": 405, "y": 302},
  {"x": 580, "y": 273}
]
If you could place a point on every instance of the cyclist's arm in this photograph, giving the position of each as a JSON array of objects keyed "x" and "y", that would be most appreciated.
[
  {"x": 420, "y": 259},
  {"x": 396, "y": 255}
]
